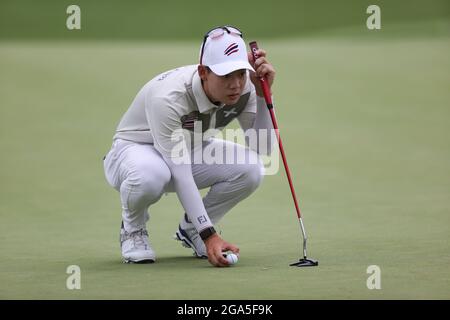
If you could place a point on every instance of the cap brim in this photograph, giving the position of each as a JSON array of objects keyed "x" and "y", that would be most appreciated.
[{"x": 222, "y": 69}]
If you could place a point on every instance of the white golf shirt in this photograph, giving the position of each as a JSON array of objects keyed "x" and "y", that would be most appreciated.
[{"x": 175, "y": 100}]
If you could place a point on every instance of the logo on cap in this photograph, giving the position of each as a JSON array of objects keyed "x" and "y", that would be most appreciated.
[{"x": 232, "y": 48}]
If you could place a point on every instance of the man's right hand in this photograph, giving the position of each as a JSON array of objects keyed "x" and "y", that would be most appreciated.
[{"x": 215, "y": 247}]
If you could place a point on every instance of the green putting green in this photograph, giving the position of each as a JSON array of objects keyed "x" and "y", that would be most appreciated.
[{"x": 366, "y": 126}]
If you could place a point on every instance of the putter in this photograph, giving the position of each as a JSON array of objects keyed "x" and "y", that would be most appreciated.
[{"x": 303, "y": 262}]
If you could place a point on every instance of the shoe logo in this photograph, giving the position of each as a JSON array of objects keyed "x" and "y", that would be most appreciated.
[{"x": 232, "y": 48}]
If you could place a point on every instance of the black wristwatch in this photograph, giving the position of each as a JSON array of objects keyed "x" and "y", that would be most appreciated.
[{"x": 206, "y": 233}]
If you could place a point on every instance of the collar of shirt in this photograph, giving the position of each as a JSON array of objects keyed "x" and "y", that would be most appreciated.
[{"x": 203, "y": 103}]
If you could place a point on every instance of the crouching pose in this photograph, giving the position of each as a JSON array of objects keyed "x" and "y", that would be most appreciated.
[{"x": 146, "y": 159}]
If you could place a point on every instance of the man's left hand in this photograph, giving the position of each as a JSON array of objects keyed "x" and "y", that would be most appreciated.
[{"x": 263, "y": 69}]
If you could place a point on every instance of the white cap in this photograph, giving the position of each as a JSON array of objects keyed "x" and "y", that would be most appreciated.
[{"x": 225, "y": 54}]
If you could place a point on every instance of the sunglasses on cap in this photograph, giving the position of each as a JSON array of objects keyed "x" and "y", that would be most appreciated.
[{"x": 217, "y": 32}]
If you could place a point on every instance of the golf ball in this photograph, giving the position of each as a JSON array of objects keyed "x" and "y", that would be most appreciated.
[{"x": 232, "y": 258}]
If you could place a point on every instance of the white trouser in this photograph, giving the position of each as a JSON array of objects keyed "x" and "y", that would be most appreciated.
[{"x": 141, "y": 176}]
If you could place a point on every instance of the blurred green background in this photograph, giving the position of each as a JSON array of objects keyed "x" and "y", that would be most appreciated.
[
  {"x": 178, "y": 19},
  {"x": 365, "y": 118}
]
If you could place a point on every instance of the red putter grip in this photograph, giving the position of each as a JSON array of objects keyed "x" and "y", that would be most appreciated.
[{"x": 265, "y": 86}]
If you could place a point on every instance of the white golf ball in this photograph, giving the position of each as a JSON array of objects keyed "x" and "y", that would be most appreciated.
[{"x": 232, "y": 258}]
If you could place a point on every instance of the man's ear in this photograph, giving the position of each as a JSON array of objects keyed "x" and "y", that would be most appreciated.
[{"x": 202, "y": 72}]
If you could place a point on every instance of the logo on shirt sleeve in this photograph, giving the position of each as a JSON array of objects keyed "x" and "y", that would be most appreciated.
[{"x": 188, "y": 120}]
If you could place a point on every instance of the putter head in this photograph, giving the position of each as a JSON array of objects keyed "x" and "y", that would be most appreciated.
[{"x": 305, "y": 262}]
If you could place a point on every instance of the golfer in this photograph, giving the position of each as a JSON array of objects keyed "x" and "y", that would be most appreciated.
[{"x": 156, "y": 149}]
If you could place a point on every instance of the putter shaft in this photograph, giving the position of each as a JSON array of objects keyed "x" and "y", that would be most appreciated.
[{"x": 268, "y": 99}]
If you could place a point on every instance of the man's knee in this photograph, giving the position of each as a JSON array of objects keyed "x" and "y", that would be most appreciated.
[
  {"x": 253, "y": 176},
  {"x": 155, "y": 183},
  {"x": 150, "y": 184}
]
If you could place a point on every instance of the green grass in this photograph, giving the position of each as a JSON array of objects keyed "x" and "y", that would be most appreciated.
[
  {"x": 366, "y": 127},
  {"x": 180, "y": 19}
]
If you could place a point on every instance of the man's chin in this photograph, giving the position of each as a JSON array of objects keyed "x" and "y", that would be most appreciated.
[{"x": 232, "y": 99}]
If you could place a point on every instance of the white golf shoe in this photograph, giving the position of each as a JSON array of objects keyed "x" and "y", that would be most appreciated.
[
  {"x": 191, "y": 239},
  {"x": 135, "y": 247}
]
